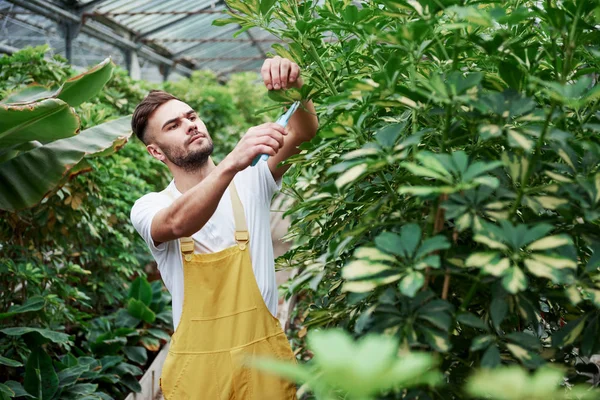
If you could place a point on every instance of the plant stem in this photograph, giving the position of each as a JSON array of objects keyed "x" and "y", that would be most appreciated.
[
  {"x": 387, "y": 183},
  {"x": 591, "y": 113},
  {"x": 532, "y": 163},
  {"x": 469, "y": 295},
  {"x": 315, "y": 56},
  {"x": 570, "y": 44},
  {"x": 446, "y": 131}
]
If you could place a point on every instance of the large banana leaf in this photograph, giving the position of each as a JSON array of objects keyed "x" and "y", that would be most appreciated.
[
  {"x": 44, "y": 121},
  {"x": 26, "y": 179},
  {"x": 85, "y": 86},
  {"x": 74, "y": 91},
  {"x": 30, "y": 93}
]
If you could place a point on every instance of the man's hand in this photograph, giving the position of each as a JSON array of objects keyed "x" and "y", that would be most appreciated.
[
  {"x": 262, "y": 139},
  {"x": 281, "y": 73}
]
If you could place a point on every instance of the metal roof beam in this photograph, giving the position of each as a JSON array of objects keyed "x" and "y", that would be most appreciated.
[
  {"x": 211, "y": 40},
  {"x": 90, "y": 5},
  {"x": 169, "y": 24},
  {"x": 57, "y": 14},
  {"x": 4, "y": 48}
]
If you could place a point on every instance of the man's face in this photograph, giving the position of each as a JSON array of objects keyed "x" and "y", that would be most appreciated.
[{"x": 176, "y": 135}]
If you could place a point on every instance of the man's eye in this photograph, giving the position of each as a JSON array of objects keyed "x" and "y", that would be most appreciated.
[
  {"x": 173, "y": 126},
  {"x": 193, "y": 118}
]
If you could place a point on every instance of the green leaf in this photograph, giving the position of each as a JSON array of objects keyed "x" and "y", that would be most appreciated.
[
  {"x": 430, "y": 245},
  {"x": 141, "y": 311},
  {"x": 361, "y": 269},
  {"x": 528, "y": 358},
  {"x": 6, "y": 391},
  {"x": 69, "y": 376},
  {"x": 351, "y": 175},
  {"x": 517, "y": 139},
  {"x": 436, "y": 339},
  {"x": 511, "y": 74},
  {"x": 489, "y": 131},
  {"x": 131, "y": 383},
  {"x": 514, "y": 280},
  {"x": 18, "y": 389},
  {"x": 373, "y": 254},
  {"x": 497, "y": 267},
  {"x": 34, "y": 303},
  {"x": 27, "y": 178},
  {"x": 439, "y": 318},
  {"x": 568, "y": 334},
  {"x": 471, "y": 320},
  {"x": 550, "y": 242},
  {"x": 82, "y": 389},
  {"x": 137, "y": 354},
  {"x": 83, "y": 87},
  {"x": 478, "y": 168},
  {"x": 489, "y": 242},
  {"x": 419, "y": 170},
  {"x": 266, "y": 5},
  {"x": 390, "y": 243},
  {"x": 368, "y": 285},
  {"x": 21, "y": 123},
  {"x": 150, "y": 343},
  {"x": 40, "y": 377},
  {"x": 481, "y": 342},
  {"x": 159, "y": 334},
  {"x": 10, "y": 363},
  {"x": 225, "y": 21},
  {"x": 498, "y": 310},
  {"x": 141, "y": 290},
  {"x": 491, "y": 357},
  {"x": 526, "y": 340},
  {"x": 411, "y": 283},
  {"x": 388, "y": 136},
  {"x": 30, "y": 93},
  {"x": 480, "y": 259},
  {"x": 56, "y": 337},
  {"x": 411, "y": 236}
]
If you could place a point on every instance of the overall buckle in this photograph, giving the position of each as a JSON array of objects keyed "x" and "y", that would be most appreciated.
[
  {"x": 187, "y": 248},
  {"x": 242, "y": 238}
]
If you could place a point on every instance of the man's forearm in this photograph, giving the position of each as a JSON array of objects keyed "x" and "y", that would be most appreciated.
[
  {"x": 304, "y": 123},
  {"x": 190, "y": 212}
]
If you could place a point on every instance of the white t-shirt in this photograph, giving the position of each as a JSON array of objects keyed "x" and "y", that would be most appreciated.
[{"x": 255, "y": 186}]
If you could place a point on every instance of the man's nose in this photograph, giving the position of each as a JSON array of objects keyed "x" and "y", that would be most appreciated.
[{"x": 190, "y": 126}]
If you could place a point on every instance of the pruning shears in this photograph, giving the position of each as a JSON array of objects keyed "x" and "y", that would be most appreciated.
[{"x": 283, "y": 121}]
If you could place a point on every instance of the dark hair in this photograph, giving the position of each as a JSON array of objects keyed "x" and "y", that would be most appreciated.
[{"x": 143, "y": 111}]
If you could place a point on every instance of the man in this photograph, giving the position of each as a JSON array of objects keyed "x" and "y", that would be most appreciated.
[{"x": 209, "y": 232}]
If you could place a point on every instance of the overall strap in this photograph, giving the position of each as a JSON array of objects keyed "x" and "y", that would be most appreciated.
[{"x": 242, "y": 236}]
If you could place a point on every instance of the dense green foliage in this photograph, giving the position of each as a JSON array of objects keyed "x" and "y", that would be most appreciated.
[
  {"x": 452, "y": 196},
  {"x": 68, "y": 262}
]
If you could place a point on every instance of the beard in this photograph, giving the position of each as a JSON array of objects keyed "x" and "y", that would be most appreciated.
[{"x": 192, "y": 160}]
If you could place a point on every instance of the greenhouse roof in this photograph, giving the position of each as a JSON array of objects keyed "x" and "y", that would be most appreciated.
[{"x": 176, "y": 35}]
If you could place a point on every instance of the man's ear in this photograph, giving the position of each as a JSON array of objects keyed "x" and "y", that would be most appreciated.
[{"x": 156, "y": 152}]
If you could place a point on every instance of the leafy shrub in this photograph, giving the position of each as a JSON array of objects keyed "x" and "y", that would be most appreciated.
[{"x": 451, "y": 197}]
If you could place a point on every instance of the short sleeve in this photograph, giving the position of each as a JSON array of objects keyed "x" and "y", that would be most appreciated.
[
  {"x": 142, "y": 214},
  {"x": 269, "y": 185}
]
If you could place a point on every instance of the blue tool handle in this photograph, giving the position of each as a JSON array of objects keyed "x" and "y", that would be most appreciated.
[
  {"x": 283, "y": 121},
  {"x": 259, "y": 157}
]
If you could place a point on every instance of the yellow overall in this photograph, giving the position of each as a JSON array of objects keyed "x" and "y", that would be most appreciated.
[{"x": 224, "y": 320}]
